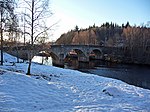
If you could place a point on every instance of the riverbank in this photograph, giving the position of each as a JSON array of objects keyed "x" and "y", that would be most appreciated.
[
  {"x": 137, "y": 75},
  {"x": 134, "y": 74},
  {"x": 52, "y": 89}
]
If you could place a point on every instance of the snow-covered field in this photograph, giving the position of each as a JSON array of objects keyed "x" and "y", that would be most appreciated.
[{"x": 52, "y": 89}]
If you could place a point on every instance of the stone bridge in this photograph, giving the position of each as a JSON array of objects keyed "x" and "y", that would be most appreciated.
[
  {"x": 83, "y": 52},
  {"x": 60, "y": 52}
]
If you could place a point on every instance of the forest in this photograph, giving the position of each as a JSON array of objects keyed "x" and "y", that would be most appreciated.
[{"x": 133, "y": 40}]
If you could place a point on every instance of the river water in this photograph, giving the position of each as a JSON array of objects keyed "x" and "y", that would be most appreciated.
[
  {"x": 137, "y": 75},
  {"x": 131, "y": 74}
]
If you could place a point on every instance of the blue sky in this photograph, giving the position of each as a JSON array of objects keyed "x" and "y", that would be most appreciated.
[{"x": 87, "y": 12}]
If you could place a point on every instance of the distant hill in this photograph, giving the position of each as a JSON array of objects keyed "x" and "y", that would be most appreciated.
[
  {"x": 134, "y": 41},
  {"x": 92, "y": 36},
  {"x": 108, "y": 34}
]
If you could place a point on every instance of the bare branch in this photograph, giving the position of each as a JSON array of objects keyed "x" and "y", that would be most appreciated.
[
  {"x": 28, "y": 3},
  {"x": 44, "y": 31},
  {"x": 38, "y": 15},
  {"x": 37, "y": 2}
]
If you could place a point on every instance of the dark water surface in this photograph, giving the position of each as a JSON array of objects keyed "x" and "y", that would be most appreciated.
[{"x": 137, "y": 75}]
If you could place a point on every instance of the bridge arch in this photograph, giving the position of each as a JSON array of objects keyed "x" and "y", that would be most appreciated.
[
  {"x": 79, "y": 52},
  {"x": 76, "y": 53},
  {"x": 46, "y": 54},
  {"x": 55, "y": 57},
  {"x": 96, "y": 54}
]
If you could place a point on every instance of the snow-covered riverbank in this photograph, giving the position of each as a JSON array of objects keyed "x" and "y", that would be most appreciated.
[{"x": 52, "y": 89}]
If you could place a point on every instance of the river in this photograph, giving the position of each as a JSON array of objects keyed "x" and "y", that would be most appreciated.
[{"x": 137, "y": 75}]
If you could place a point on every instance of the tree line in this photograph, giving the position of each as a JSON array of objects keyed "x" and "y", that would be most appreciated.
[{"x": 134, "y": 40}]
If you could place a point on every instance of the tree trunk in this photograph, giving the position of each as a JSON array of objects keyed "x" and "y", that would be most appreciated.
[
  {"x": 1, "y": 35},
  {"x": 32, "y": 26},
  {"x": 1, "y": 46},
  {"x": 29, "y": 68}
]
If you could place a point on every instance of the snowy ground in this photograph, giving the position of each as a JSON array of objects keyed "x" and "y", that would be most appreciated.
[{"x": 52, "y": 89}]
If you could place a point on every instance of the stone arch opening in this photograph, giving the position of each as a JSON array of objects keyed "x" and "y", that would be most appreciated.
[
  {"x": 96, "y": 54},
  {"x": 80, "y": 53},
  {"x": 71, "y": 54},
  {"x": 43, "y": 54},
  {"x": 55, "y": 59},
  {"x": 49, "y": 56},
  {"x": 54, "y": 56},
  {"x": 76, "y": 53}
]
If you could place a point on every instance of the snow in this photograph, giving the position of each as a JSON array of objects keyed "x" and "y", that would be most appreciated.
[{"x": 52, "y": 89}]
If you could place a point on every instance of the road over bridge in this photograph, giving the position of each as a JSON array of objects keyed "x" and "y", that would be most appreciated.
[{"x": 60, "y": 52}]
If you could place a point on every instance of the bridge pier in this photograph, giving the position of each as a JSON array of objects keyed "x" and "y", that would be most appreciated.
[
  {"x": 58, "y": 63},
  {"x": 83, "y": 59}
]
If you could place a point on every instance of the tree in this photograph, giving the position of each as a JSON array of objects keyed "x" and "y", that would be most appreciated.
[
  {"x": 94, "y": 25},
  {"x": 36, "y": 13},
  {"x": 14, "y": 32},
  {"x": 107, "y": 25},
  {"x": 127, "y": 25},
  {"x": 6, "y": 16},
  {"x": 76, "y": 28},
  {"x": 122, "y": 25}
]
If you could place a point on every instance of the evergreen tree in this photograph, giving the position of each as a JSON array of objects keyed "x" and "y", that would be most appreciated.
[
  {"x": 122, "y": 25},
  {"x": 76, "y": 28},
  {"x": 94, "y": 25},
  {"x": 127, "y": 25}
]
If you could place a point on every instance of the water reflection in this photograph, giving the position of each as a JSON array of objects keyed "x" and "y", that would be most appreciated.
[
  {"x": 137, "y": 75},
  {"x": 75, "y": 64},
  {"x": 42, "y": 60},
  {"x": 132, "y": 74}
]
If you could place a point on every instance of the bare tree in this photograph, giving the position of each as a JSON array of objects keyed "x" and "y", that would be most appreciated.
[
  {"x": 6, "y": 16},
  {"x": 36, "y": 13}
]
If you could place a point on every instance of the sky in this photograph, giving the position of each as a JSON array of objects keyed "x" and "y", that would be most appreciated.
[{"x": 85, "y": 13}]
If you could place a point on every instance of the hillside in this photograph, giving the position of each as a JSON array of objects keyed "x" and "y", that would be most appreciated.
[
  {"x": 108, "y": 34},
  {"x": 92, "y": 35},
  {"x": 133, "y": 41}
]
